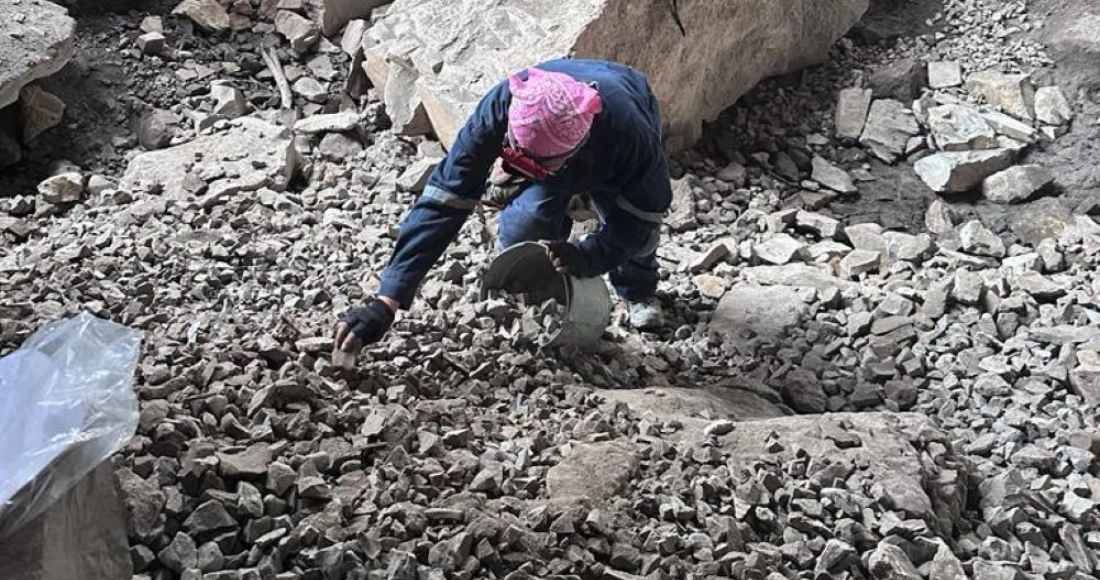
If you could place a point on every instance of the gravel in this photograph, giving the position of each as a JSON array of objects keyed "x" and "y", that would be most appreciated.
[{"x": 960, "y": 367}]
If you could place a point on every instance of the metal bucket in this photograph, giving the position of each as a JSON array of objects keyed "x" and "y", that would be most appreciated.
[{"x": 525, "y": 268}]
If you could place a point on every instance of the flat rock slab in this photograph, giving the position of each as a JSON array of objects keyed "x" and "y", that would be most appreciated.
[
  {"x": 798, "y": 275},
  {"x": 451, "y": 52},
  {"x": 596, "y": 472},
  {"x": 34, "y": 46},
  {"x": 750, "y": 311},
  {"x": 82, "y": 536},
  {"x": 250, "y": 155},
  {"x": 889, "y": 444},
  {"x": 695, "y": 404}
]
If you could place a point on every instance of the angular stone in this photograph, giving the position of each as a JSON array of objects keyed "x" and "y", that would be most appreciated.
[
  {"x": 63, "y": 188},
  {"x": 229, "y": 102},
  {"x": 340, "y": 147},
  {"x": 1051, "y": 106},
  {"x": 597, "y": 472},
  {"x": 940, "y": 219},
  {"x": 1010, "y": 126},
  {"x": 960, "y": 128},
  {"x": 156, "y": 128},
  {"x": 968, "y": 287},
  {"x": 956, "y": 172},
  {"x": 709, "y": 286},
  {"x": 40, "y": 110},
  {"x": 889, "y": 562},
  {"x": 151, "y": 43},
  {"x": 415, "y": 178},
  {"x": 208, "y": 15},
  {"x": 779, "y": 249},
  {"x": 851, "y": 113},
  {"x": 459, "y": 49},
  {"x": 758, "y": 311},
  {"x": 889, "y": 127},
  {"x": 1085, "y": 381},
  {"x": 735, "y": 174},
  {"x": 301, "y": 32},
  {"x": 1045, "y": 218},
  {"x": 682, "y": 213},
  {"x": 900, "y": 79},
  {"x": 310, "y": 89},
  {"x": 250, "y": 463},
  {"x": 817, "y": 224},
  {"x": 1012, "y": 93},
  {"x": 804, "y": 393},
  {"x": 331, "y": 123},
  {"x": 180, "y": 555},
  {"x": 208, "y": 519},
  {"x": 143, "y": 501},
  {"x": 1016, "y": 184},
  {"x": 36, "y": 41},
  {"x": 978, "y": 240},
  {"x": 832, "y": 176},
  {"x": 906, "y": 247},
  {"x": 859, "y": 262},
  {"x": 944, "y": 74},
  {"x": 261, "y": 153}
]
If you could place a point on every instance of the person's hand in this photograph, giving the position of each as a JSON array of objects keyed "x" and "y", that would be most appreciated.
[
  {"x": 566, "y": 257},
  {"x": 366, "y": 324}
]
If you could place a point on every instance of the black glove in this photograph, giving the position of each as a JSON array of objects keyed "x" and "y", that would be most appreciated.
[
  {"x": 567, "y": 258},
  {"x": 369, "y": 322}
]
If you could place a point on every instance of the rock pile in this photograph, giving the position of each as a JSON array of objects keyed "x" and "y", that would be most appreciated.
[{"x": 960, "y": 370}]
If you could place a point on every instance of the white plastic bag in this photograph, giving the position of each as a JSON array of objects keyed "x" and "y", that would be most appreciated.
[{"x": 66, "y": 404}]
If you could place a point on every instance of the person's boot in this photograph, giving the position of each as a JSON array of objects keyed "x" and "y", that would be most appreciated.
[{"x": 647, "y": 314}]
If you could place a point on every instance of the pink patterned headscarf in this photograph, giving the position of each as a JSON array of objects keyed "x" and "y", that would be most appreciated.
[{"x": 551, "y": 113}]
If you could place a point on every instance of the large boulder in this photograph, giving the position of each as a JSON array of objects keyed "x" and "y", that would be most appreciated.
[
  {"x": 36, "y": 40},
  {"x": 445, "y": 54},
  {"x": 83, "y": 535}
]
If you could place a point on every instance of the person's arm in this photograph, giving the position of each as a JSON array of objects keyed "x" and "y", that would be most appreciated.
[{"x": 453, "y": 191}]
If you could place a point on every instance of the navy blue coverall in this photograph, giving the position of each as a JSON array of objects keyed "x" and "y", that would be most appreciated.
[{"x": 622, "y": 167}]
